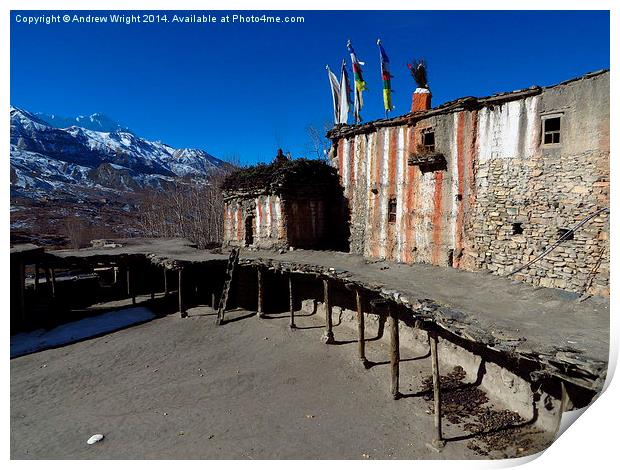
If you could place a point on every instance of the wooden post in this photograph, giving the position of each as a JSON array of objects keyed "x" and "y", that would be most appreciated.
[
  {"x": 130, "y": 290},
  {"x": 328, "y": 334},
  {"x": 152, "y": 281},
  {"x": 438, "y": 442},
  {"x": 290, "y": 294},
  {"x": 259, "y": 308},
  {"x": 36, "y": 277},
  {"x": 182, "y": 311},
  {"x": 48, "y": 281},
  {"x": 166, "y": 288},
  {"x": 394, "y": 351},
  {"x": 53, "y": 282},
  {"x": 361, "y": 342},
  {"x": 213, "y": 305},
  {"x": 22, "y": 291}
]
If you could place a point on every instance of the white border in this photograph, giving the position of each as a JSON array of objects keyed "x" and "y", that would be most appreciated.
[{"x": 591, "y": 443}]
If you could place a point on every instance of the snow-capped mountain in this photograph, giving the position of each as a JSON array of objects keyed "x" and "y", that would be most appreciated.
[
  {"x": 47, "y": 158},
  {"x": 94, "y": 122}
]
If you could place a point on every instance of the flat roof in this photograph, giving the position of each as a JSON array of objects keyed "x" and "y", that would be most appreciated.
[
  {"x": 468, "y": 102},
  {"x": 568, "y": 335}
]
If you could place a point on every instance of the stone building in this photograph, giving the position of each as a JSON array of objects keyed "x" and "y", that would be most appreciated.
[
  {"x": 487, "y": 184},
  {"x": 288, "y": 203}
]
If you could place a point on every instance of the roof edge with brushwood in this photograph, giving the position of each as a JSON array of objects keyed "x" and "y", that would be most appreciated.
[{"x": 285, "y": 177}]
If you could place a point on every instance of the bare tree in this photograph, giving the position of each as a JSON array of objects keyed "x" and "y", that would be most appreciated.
[
  {"x": 318, "y": 144},
  {"x": 194, "y": 211}
]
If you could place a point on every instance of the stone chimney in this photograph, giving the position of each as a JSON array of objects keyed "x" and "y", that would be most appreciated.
[{"x": 421, "y": 99}]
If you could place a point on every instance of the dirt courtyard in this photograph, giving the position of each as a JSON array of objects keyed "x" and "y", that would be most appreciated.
[{"x": 250, "y": 389}]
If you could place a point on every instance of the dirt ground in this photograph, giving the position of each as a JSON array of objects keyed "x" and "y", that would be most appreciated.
[{"x": 250, "y": 389}]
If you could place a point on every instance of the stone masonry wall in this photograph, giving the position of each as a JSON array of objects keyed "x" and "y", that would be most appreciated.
[{"x": 499, "y": 179}]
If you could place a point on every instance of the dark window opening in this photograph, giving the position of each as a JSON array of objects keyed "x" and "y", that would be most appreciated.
[
  {"x": 517, "y": 228},
  {"x": 551, "y": 131},
  {"x": 392, "y": 210},
  {"x": 566, "y": 234},
  {"x": 249, "y": 230},
  {"x": 428, "y": 140}
]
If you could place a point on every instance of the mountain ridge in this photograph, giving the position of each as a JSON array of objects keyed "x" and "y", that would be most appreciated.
[{"x": 48, "y": 158}]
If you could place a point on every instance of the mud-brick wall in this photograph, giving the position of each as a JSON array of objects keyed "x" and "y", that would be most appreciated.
[
  {"x": 263, "y": 213},
  {"x": 545, "y": 188},
  {"x": 497, "y": 174},
  {"x": 276, "y": 222},
  {"x": 431, "y": 206}
]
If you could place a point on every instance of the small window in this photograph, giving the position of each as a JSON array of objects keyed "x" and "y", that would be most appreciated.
[
  {"x": 392, "y": 210},
  {"x": 566, "y": 234},
  {"x": 428, "y": 140},
  {"x": 517, "y": 228},
  {"x": 551, "y": 130}
]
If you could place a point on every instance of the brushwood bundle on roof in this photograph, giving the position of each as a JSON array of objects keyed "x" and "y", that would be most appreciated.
[{"x": 298, "y": 177}]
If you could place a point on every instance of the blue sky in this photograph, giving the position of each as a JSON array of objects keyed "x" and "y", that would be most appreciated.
[{"x": 247, "y": 89}]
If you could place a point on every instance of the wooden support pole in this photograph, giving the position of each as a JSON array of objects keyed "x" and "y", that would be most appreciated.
[
  {"x": 182, "y": 311},
  {"x": 53, "y": 272},
  {"x": 213, "y": 304},
  {"x": 130, "y": 290},
  {"x": 166, "y": 288},
  {"x": 328, "y": 334},
  {"x": 292, "y": 307},
  {"x": 438, "y": 442},
  {"x": 22, "y": 291},
  {"x": 259, "y": 308},
  {"x": 36, "y": 277},
  {"x": 394, "y": 352},
  {"x": 152, "y": 281},
  {"x": 48, "y": 281},
  {"x": 564, "y": 401},
  {"x": 361, "y": 342}
]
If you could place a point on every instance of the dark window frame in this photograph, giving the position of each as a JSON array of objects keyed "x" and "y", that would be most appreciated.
[
  {"x": 392, "y": 208},
  {"x": 552, "y": 133},
  {"x": 428, "y": 139}
]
